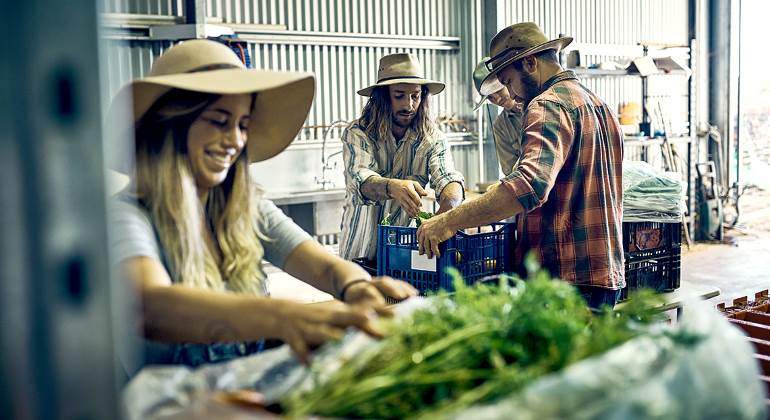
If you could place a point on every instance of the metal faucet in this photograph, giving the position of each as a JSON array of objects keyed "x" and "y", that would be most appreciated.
[{"x": 325, "y": 183}]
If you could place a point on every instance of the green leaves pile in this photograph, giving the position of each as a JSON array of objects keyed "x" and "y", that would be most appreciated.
[
  {"x": 421, "y": 217},
  {"x": 483, "y": 343}
]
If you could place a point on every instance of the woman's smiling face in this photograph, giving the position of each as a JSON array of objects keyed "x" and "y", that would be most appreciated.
[{"x": 217, "y": 137}]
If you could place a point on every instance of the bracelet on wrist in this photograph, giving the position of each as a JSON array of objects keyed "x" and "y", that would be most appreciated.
[
  {"x": 387, "y": 187},
  {"x": 348, "y": 285}
]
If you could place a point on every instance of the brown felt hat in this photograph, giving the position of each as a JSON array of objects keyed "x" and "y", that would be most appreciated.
[{"x": 514, "y": 43}]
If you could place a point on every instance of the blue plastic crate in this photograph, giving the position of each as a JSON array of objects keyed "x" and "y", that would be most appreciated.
[{"x": 474, "y": 255}]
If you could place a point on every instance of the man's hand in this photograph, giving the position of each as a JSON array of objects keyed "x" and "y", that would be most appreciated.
[
  {"x": 371, "y": 295},
  {"x": 431, "y": 233},
  {"x": 407, "y": 193}
]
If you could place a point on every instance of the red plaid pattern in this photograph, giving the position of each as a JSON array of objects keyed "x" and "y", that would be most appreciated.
[{"x": 569, "y": 181}]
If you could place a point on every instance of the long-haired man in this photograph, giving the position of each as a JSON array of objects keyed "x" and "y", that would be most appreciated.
[{"x": 391, "y": 152}]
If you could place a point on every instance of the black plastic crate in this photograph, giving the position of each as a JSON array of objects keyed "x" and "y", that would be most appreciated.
[
  {"x": 660, "y": 274},
  {"x": 645, "y": 240}
]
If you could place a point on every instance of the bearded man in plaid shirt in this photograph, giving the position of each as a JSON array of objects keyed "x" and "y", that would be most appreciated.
[{"x": 568, "y": 182}]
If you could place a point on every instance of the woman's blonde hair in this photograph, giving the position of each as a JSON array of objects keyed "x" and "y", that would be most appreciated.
[{"x": 166, "y": 187}]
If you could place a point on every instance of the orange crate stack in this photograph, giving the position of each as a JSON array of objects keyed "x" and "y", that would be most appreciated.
[{"x": 754, "y": 319}]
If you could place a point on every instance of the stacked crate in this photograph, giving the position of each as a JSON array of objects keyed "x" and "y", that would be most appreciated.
[
  {"x": 754, "y": 319},
  {"x": 653, "y": 253}
]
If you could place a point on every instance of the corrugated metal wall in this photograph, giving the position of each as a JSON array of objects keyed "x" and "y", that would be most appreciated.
[
  {"x": 624, "y": 23},
  {"x": 393, "y": 17},
  {"x": 340, "y": 69},
  {"x": 127, "y": 60},
  {"x": 603, "y": 21},
  {"x": 143, "y": 7},
  {"x": 341, "y": 42}
]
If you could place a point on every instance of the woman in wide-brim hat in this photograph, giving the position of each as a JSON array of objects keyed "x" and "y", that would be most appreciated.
[{"x": 191, "y": 230}]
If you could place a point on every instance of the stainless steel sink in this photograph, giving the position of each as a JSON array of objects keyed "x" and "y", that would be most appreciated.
[{"x": 309, "y": 196}]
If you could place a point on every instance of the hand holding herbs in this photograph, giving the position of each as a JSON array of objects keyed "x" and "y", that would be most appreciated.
[
  {"x": 421, "y": 217},
  {"x": 408, "y": 194},
  {"x": 483, "y": 343}
]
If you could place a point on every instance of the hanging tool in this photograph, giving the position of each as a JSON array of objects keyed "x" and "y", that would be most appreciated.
[
  {"x": 709, "y": 204},
  {"x": 669, "y": 163}
]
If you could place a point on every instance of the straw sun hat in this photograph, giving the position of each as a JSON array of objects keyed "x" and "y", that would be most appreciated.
[{"x": 282, "y": 103}]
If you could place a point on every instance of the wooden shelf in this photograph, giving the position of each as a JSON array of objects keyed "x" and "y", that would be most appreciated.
[
  {"x": 600, "y": 73},
  {"x": 589, "y": 73}
]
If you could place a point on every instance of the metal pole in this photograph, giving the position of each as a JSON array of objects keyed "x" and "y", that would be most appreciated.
[
  {"x": 719, "y": 70},
  {"x": 56, "y": 351},
  {"x": 489, "y": 24},
  {"x": 195, "y": 14}
]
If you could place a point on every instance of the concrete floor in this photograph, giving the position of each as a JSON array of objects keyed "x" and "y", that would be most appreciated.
[
  {"x": 737, "y": 270},
  {"x": 741, "y": 266}
]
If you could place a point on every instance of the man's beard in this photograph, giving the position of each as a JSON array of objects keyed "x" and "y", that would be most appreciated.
[
  {"x": 398, "y": 123},
  {"x": 531, "y": 88}
]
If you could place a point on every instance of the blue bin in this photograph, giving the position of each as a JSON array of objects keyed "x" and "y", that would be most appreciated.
[{"x": 474, "y": 255}]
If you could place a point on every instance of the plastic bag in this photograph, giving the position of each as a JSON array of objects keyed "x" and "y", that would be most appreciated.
[
  {"x": 650, "y": 377},
  {"x": 158, "y": 391},
  {"x": 651, "y": 195}
]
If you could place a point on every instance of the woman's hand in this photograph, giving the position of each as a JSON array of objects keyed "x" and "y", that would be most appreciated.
[
  {"x": 371, "y": 294},
  {"x": 305, "y": 327}
]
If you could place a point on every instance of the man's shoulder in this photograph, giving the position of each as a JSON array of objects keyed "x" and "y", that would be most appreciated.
[
  {"x": 355, "y": 129},
  {"x": 355, "y": 125},
  {"x": 565, "y": 92},
  {"x": 436, "y": 138},
  {"x": 504, "y": 119},
  {"x": 569, "y": 94}
]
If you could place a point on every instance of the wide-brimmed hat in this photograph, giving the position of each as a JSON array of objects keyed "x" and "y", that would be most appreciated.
[
  {"x": 514, "y": 43},
  {"x": 282, "y": 102},
  {"x": 479, "y": 74},
  {"x": 401, "y": 68}
]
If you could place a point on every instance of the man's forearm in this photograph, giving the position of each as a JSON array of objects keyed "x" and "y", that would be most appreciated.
[
  {"x": 375, "y": 188},
  {"x": 494, "y": 205},
  {"x": 452, "y": 195}
]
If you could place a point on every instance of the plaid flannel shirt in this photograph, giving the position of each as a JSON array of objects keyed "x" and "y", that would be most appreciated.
[
  {"x": 569, "y": 181},
  {"x": 414, "y": 158}
]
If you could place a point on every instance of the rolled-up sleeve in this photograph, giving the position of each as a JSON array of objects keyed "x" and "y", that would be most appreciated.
[
  {"x": 442, "y": 166},
  {"x": 282, "y": 235},
  {"x": 360, "y": 164},
  {"x": 547, "y": 139}
]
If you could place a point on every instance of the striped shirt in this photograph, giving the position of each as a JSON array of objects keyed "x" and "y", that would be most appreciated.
[
  {"x": 506, "y": 130},
  {"x": 569, "y": 181},
  {"x": 421, "y": 160}
]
